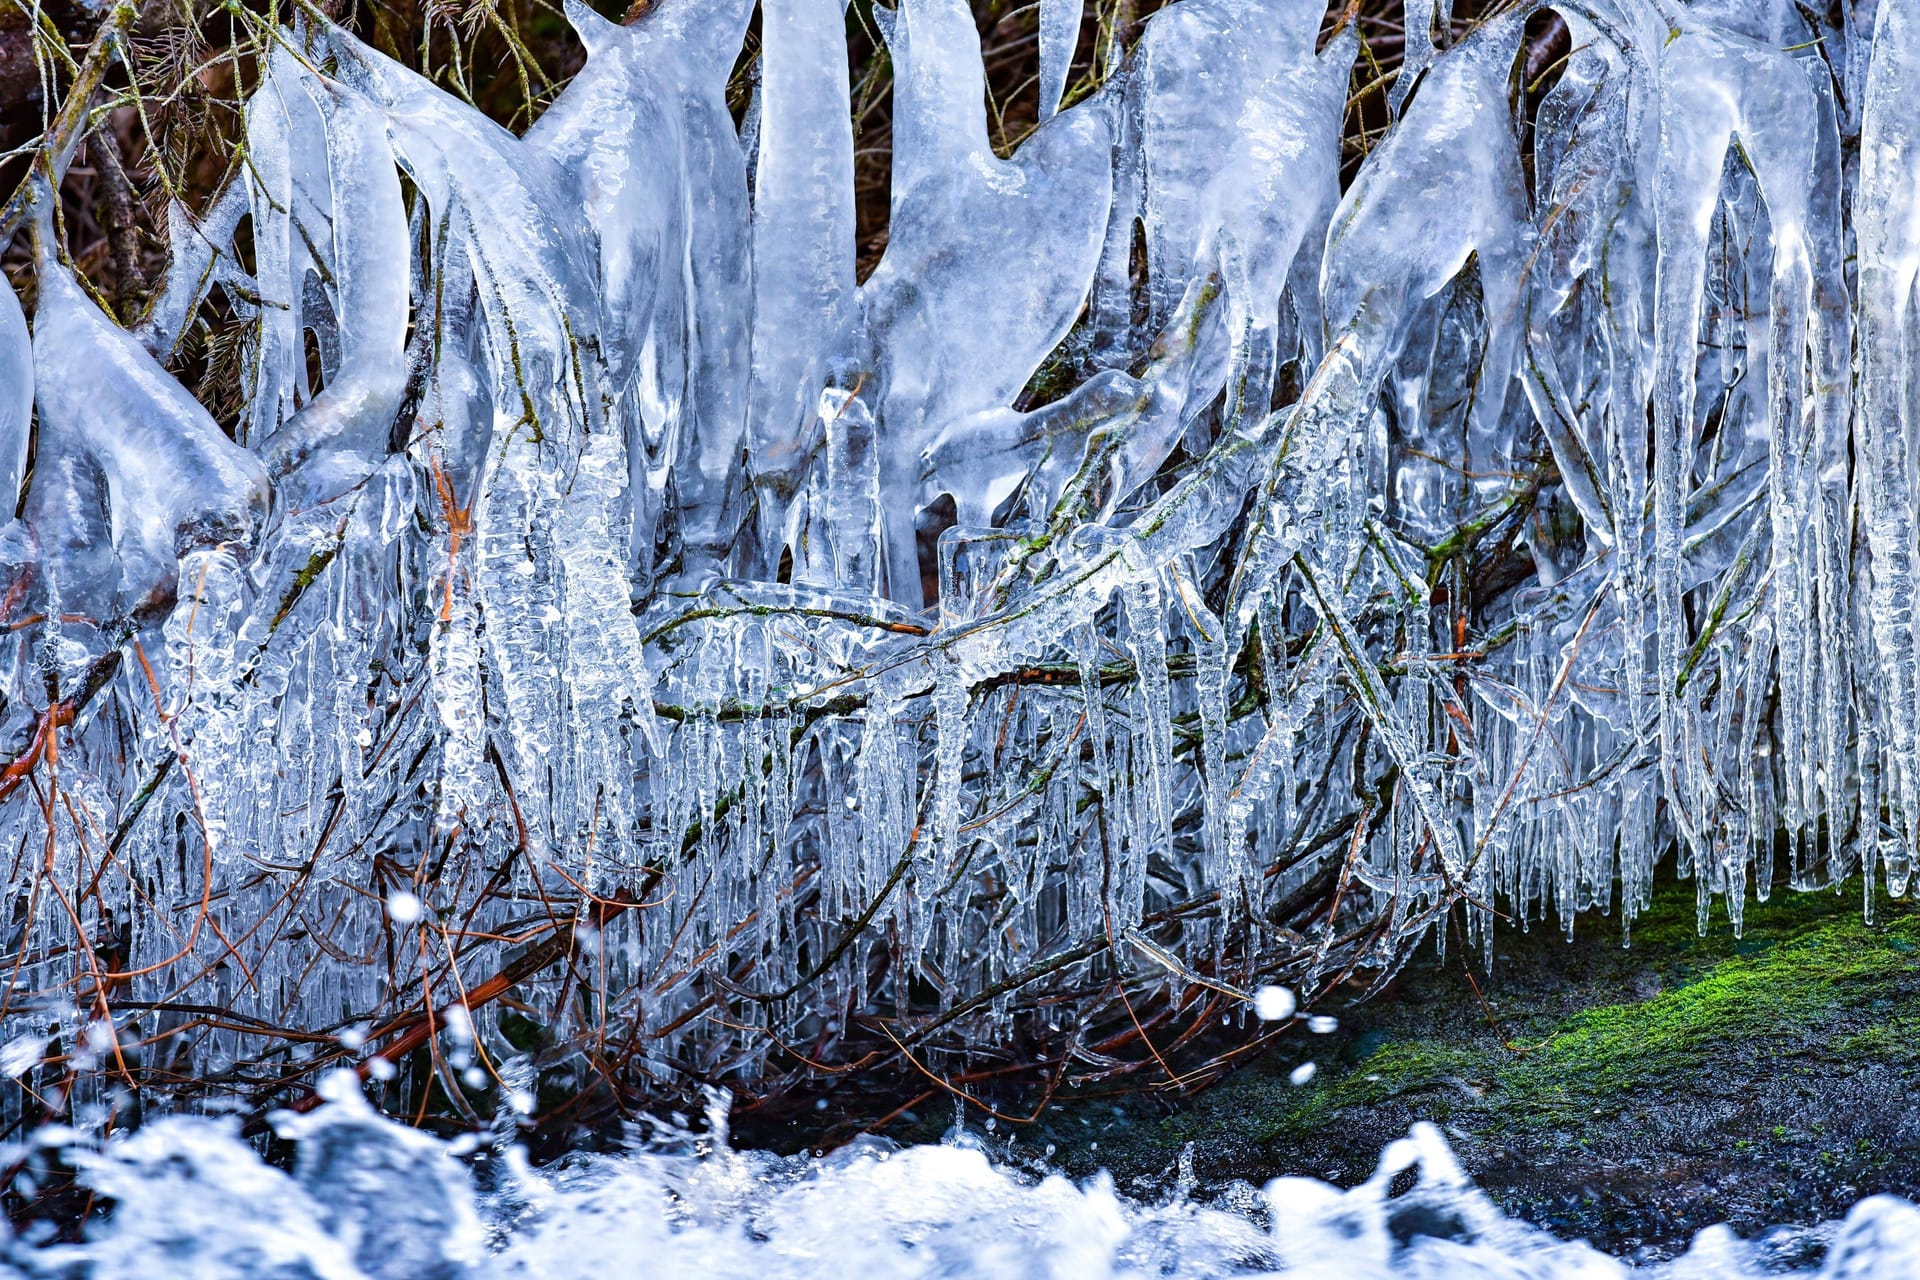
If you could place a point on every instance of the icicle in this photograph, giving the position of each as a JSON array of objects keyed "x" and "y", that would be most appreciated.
[
  {"x": 174, "y": 481},
  {"x": 803, "y": 252},
  {"x": 851, "y": 519},
  {"x": 79, "y": 572},
  {"x": 16, "y": 396},
  {"x": 1416, "y": 53},
  {"x": 609, "y": 673},
  {"x": 1152, "y": 710},
  {"x": 987, "y": 260},
  {"x": 674, "y": 255},
  {"x": 341, "y": 433},
  {"x": 502, "y": 207},
  {"x": 1238, "y": 125},
  {"x": 1059, "y": 35},
  {"x": 201, "y": 681},
  {"x": 1226, "y": 859},
  {"x": 287, "y": 144},
  {"x": 1889, "y": 266},
  {"x": 950, "y": 727}
]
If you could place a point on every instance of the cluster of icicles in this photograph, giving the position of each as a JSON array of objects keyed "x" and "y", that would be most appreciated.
[{"x": 1165, "y": 561}]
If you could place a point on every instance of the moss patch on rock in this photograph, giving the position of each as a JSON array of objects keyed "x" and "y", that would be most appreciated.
[{"x": 1628, "y": 1094}]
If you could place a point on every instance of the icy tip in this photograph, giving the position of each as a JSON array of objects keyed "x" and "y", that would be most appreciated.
[{"x": 1273, "y": 1004}]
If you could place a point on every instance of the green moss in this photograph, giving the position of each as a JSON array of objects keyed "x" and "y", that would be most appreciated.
[
  {"x": 1773, "y": 998},
  {"x": 1665, "y": 1073},
  {"x": 1807, "y": 982},
  {"x": 303, "y": 578},
  {"x": 1402, "y": 1068},
  {"x": 1058, "y": 374},
  {"x": 1895, "y": 1040}
]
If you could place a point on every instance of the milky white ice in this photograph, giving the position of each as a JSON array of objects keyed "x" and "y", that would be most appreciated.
[
  {"x": 1192, "y": 560},
  {"x": 370, "y": 1200}
]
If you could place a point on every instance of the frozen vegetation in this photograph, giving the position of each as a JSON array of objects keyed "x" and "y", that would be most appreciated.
[{"x": 1182, "y": 566}]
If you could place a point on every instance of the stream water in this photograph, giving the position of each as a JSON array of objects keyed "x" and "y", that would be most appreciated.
[{"x": 370, "y": 1200}]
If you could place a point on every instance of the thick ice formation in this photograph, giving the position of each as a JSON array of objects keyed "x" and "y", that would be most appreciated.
[
  {"x": 340, "y": 246},
  {"x": 1182, "y": 565}
]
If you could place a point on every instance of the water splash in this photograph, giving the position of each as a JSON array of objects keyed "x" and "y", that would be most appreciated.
[{"x": 370, "y": 1200}]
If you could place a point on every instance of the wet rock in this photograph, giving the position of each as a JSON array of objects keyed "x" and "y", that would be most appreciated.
[{"x": 1628, "y": 1095}]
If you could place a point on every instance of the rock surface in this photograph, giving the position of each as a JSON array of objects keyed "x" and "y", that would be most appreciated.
[{"x": 1628, "y": 1095}]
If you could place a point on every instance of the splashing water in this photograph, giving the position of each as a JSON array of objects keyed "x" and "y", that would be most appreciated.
[{"x": 371, "y": 1200}]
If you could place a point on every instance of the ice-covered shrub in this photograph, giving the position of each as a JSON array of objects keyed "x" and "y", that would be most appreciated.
[{"x": 612, "y": 629}]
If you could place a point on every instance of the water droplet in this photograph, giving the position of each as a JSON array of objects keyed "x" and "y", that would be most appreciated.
[{"x": 1273, "y": 1004}]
